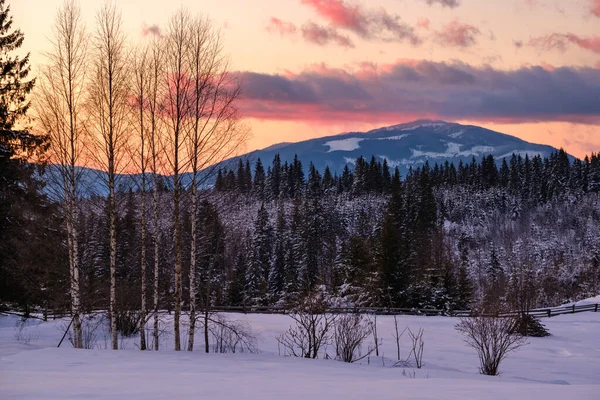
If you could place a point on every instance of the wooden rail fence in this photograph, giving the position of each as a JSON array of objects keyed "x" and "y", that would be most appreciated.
[{"x": 538, "y": 312}]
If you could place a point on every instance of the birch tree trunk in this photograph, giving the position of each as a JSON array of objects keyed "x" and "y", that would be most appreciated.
[
  {"x": 193, "y": 229},
  {"x": 59, "y": 110},
  {"x": 140, "y": 91},
  {"x": 213, "y": 129},
  {"x": 109, "y": 108},
  {"x": 156, "y": 70},
  {"x": 177, "y": 108}
]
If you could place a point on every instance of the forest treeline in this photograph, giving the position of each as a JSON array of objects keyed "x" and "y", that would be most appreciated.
[{"x": 521, "y": 235}]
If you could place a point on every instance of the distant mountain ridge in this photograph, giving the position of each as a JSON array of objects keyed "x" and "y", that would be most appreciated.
[{"x": 404, "y": 146}]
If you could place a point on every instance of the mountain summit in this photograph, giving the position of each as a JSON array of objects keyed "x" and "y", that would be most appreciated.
[{"x": 404, "y": 146}]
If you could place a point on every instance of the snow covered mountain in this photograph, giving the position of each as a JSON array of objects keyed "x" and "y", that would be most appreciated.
[{"x": 404, "y": 146}]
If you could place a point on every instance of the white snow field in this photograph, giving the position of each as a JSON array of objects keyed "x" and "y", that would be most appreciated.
[{"x": 564, "y": 366}]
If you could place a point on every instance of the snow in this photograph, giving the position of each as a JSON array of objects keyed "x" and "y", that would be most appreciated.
[
  {"x": 423, "y": 125},
  {"x": 397, "y": 137},
  {"x": 399, "y": 163},
  {"x": 453, "y": 150},
  {"x": 456, "y": 135},
  {"x": 483, "y": 149},
  {"x": 563, "y": 366},
  {"x": 522, "y": 153},
  {"x": 343, "y": 144}
]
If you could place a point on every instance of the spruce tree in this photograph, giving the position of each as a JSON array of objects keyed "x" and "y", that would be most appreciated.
[
  {"x": 259, "y": 180},
  {"x": 14, "y": 72}
]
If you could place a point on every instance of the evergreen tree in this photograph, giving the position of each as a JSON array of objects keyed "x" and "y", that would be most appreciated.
[
  {"x": 257, "y": 273},
  {"x": 278, "y": 266},
  {"x": 259, "y": 180},
  {"x": 14, "y": 72},
  {"x": 275, "y": 180}
]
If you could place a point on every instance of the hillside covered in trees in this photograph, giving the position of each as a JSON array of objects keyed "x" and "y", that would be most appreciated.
[{"x": 523, "y": 235}]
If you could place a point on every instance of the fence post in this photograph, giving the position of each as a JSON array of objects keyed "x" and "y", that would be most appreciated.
[
  {"x": 573, "y": 308},
  {"x": 596, "y": 308},
  {"x": 549, "y": 313}
]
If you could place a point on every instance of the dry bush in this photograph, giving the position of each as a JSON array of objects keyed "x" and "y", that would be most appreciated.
[
  {"x": 91, "y": 325},
  {"x": 491, "y": 337},
  {"x": 349, "y": 333},
  {"x": 312, "y": 329},
  {"x": 232, "y": 336},
  {"x": 22, "y": 333},
  {"x": 417, "y": 346}
]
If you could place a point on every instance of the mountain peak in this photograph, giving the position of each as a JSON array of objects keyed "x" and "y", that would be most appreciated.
[{"x": 420, "y": 123}]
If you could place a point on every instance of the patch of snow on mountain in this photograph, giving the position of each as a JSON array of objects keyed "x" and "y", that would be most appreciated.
[
  {"x": 453, "y": 150},
  {"x": 398, "y": 137},
  {"x": 483, "y": 149},
  {"x": 424, "y": 125},
  {"x": 399, "y": 163},
  {"x": 456, "y": 134},
  {"x": 343, "y": 144},
  {"x": 522, "y": 153}
]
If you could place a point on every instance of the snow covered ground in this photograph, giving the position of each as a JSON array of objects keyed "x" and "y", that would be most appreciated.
[{"x": 563, "y": 366}]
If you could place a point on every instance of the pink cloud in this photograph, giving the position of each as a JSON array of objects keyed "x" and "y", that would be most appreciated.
[
  {"x": 458, "y": 34},
  {"x": 281, "y": 27},
  {"x": 424, "y": 23},
  {"x": 369, "y": 24},
  {"x": 321, "y": 35},
  {"x": 561, "y": 41},
  {"x": 595, "y": 7}
]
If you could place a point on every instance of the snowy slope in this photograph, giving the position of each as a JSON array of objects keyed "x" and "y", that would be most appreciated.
[{"x": 563, "y": 366}]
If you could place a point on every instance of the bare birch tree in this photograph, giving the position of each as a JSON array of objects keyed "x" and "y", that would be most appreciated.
[
  {"x": 213, "y": 130},
  {"x": 109, "y": 110},
  {"x": 60, "y": 113},
  {"x": 141, "y": 92},
  {"x": 177, "y": 108},
  {"x": 156, "y": 70}
]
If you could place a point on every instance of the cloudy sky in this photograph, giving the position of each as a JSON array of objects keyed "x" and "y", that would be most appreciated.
[{"x": 312, "y": 68}]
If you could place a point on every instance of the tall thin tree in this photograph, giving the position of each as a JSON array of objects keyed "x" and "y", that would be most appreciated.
[
  {"x": 156, "y": 70},
  {"x": 59, "y": 108},
  {"x": 109, "y": 109},
  {"x": 177, "y": 107},
  {"x": 214, "y": 133},
  {"x": 141, "y": 92}
]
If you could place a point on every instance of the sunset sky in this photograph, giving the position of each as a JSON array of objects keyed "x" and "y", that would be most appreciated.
[{"x": 310, "y": 68}]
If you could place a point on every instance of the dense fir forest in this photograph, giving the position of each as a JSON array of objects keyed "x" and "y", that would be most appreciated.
[{"x": 523, "y": 235}]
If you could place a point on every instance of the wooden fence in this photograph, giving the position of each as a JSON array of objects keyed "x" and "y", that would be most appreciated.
[{"x": 538, "y": 312}]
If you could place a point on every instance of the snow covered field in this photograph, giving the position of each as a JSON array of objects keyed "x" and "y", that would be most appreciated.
[{"x": 563, "y": 366}]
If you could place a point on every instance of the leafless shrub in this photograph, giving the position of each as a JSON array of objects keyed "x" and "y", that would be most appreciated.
[
  {"x": 89, "y": 330},
  {"x": 311, "y": 331},
  {"x": 376, "y": 338},
  {"x": 397, "y": 335},
  {"x": 417, "y": 346},
  {"x": 22, "y": 333},
  {"x": 231, "y": 336},
  {"x": 349, "y": 333},
  {"x": 491, "y": 338}
]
